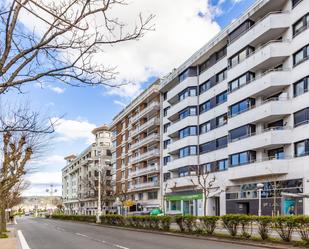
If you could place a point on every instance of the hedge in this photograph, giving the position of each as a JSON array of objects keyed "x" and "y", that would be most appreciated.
[{"x": 235, "y": 224}]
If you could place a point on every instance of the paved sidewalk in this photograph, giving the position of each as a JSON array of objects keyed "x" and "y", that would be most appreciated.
[{"x": 11, "y": 242}]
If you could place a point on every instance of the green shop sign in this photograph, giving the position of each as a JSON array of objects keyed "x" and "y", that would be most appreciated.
[{"x": 184, "y": 197}]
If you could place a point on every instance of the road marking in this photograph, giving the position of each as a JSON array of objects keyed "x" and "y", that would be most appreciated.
[
  {"x": 22, "y": 240},
  {"x": 119, "y": 246},
  {"x": 83, "y": 235},
  {"x": 15, "y": 222}
]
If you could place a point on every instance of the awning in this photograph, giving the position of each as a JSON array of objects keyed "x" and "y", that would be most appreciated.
[{"x": 184, "y": 197}]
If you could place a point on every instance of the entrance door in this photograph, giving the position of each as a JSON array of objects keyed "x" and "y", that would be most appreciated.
[
  {"x": 217, "y": 206},
  {"x": 188, "y": 207},
  {"x": 243, "y": 207}
]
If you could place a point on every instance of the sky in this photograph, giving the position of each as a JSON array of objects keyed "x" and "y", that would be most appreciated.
[{"x": 180, "y": 30}]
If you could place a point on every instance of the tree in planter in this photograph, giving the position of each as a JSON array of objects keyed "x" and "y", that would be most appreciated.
[
  {"x": 205, "y": 181},
  {"x": 63, "y": 42},
  {"x": 264, "y": 224}
]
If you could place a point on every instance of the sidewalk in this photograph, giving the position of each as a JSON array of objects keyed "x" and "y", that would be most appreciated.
[{"x": 11, "y": 242}]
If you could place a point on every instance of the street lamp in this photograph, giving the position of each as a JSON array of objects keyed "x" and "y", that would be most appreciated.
[{"x": 260, "y": 186}]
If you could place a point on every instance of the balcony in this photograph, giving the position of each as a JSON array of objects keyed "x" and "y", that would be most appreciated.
[
  {"x": 180, "y": 124},
  {"x": 150, "y": 109},
  {"x": 144, "y": 171},
  {"x": 149, "y": 124},
  {"x": 180, "y": 143},
  {"x": 268, "y": 28},
  {"x": 181, "y": 162},
  {"x": 142, "y": 186},
  {"x": 173, "y": 112},
  {"x": 267, "y": 56},
  {"x": 260, "y": 169},
  {"x": 265, "y": 111},
  {"x": 264, "y": 85},
  {"x": 153, "y": 138},
  {"x": 172, "y": 95},
  {"x": 145, "y": 156},
  {"x": 266, "y": 139}
]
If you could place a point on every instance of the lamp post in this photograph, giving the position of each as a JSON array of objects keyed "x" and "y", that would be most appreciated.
[{"x": 260, "y": 186}]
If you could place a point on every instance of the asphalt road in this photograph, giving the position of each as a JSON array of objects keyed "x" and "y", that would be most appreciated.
[{"x": 53, "y": 234}]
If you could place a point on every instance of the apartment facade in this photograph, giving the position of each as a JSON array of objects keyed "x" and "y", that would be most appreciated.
[
  {"x": 80, "y": 176},
  {"x": 238, "y": 111},
  {"x": 136, "y": 152}
]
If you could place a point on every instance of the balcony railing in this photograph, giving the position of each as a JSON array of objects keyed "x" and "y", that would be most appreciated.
[
  {"x": 144, "y": 156},
  {"x": 147, "y": 170},
  {"x": 149, "y": 123},
  {"x": 144, "y": 141},
  {"x": 144, "y": 185},
  {"x": 151, "y": 106}
]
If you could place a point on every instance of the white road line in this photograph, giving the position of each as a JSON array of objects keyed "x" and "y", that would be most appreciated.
[
  {"x": 119, "y": 246},
  {"x": 83, "y": 235},
  {"x": 22, "y": 240},
  {"x": 15, "y": 222}
]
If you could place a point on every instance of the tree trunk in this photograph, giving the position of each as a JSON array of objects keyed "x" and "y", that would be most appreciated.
[
  {"x": 2, "y": 220},
  {"x": 205, "y": 205}
]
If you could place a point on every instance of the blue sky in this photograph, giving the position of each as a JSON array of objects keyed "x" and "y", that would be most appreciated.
[{"x": 86, "y": 107}]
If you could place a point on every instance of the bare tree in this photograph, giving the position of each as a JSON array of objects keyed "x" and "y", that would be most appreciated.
[
  {"x": 205, "y": 181},
  {"x": 18, "y": 148},
  {"x": 62, "y": 49}
]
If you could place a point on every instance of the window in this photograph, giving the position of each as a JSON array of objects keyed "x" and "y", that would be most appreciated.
[
  {"x": 166, "y": 176},
  {"x": 140, "y": 196},
  {"x": 301, "y": 86},
  {"x": 221, "y": 76},
  {"x": 302, "y": 148},
  {"x": 176, "y": 205},
  {"x": 188, "y": 131},
  {"x": 190, "y": 72},
  {"x": 191, "y": 91},
  {"x": 221, "y": 120},
  {"x": 152, "y": 195},
  {"x": 240, "y": 56},
  {"x": 295, "y": 2},
  {"x": 165, "y": 111},
  {"x": 301, "y": 25},
  {"x": 276, "y": 154},
  {"x": 301, "y": 117},
  {"x": 166, "y": 143},
  {"x": 213, "y": 59},
  {"x": 165, "y": 127},
  {"x": 223, "y": 164},
  {"x": 187, "y": 151},
  {"x": 241, "y": 132},
  {"x": 189, "y": 111},
  {"x": 301, "y": 55},
  {"x": 184, "y": 171},
  {"x": 213, "y": 145},
  {"x": 241, "y": 106},
  {"x": 166, "y": 160},
  {"x": 205, "y": 127},
  {"x": 221, "y": 98},
  {"x": 242, "y": 158},
  {"x": 205, "y": 86},
  {"x": 205, "y": 106},
  {"x": 241, "y": 81},
  {"x": 165, "y": 96},
  {"x": 241, "y": 29}
]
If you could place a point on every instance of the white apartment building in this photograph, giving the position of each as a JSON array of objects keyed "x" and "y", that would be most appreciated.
[
  {"x": 80, "y": 176},
  {"x": 239, "y": 109}
]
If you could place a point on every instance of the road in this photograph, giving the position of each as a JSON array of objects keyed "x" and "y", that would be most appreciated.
[{"x": 53, "y": 234}]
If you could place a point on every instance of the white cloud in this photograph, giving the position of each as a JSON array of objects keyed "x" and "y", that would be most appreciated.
[
  {"x": 69, "y": 130},
  {"x": 45, "y": 178},
  {"x": 56, "y": 89},
  {"x": 117, "y": 102},
  {"x": 52, "y": 160}
]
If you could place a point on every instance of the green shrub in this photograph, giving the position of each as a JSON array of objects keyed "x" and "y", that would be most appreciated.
[
  {"x": 285, "y": 226},
  {"x": 246, "y": 225},
  {"x": 302, "y": 225},
  {"x": 189, "y": 223},
  {"x": 264, "y": 223},
  {"x": 209, "y": 223},
  {"x": 179, "y": 219},
  {"x": 165, "y": 222},
  {"x": 231, "y": 223},
  {"x": 113, "y": 219},
  {"x": 84, "y": 218}
]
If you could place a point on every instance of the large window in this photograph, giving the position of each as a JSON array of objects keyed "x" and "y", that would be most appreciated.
[
  {"x": 187, "y": 151},
  {"x": 213, "y": 145},
  {"x": 240, "y": 56},
  {"x": 166, "y": 160},
  {"x": 213, "y": 123},
  {"x": 301, "y": 117},
  {"x": 152, "y": 195},
  {"x": 165, "y": 111},
  {"x": 191, "y": 91},
  {"x": 241, "y": 132},
  {"x": 190, "y": 72},
  {"x": 216, "y": 166},
  {"x": 175, "y": 205},
  {"x": 241, "y": 29},
  {"x": 221, "y": 76},
  {"x": 301, "y": 55},
  {"x": 165, "y": 126},
  {"x": 213, "y": 59},
  {"x": 301, "y": 25},
  {"x": 241, "y": 81},
  {"x": 166, "y": 143},
  {"x": 295, "y": 2},
  {"x": 241, "y": 106},
  {"x": 188, "y": 131},
  {"x": 221, "y": 98},
  {"x": 242, "y": 158},
  {"x": 302, "y": 148},
  {"x": 276, "y": 154},
  {"x": 205, "y": 86},
  {"x": 301, "y": 87},
  {"x": 206, "y": 127},
  {"x": 189, "y": 111}
]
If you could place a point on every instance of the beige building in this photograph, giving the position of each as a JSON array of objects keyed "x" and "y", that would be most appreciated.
[
  {"x": 136, "y": 151},
  {"x": 80, "y": 176}
]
